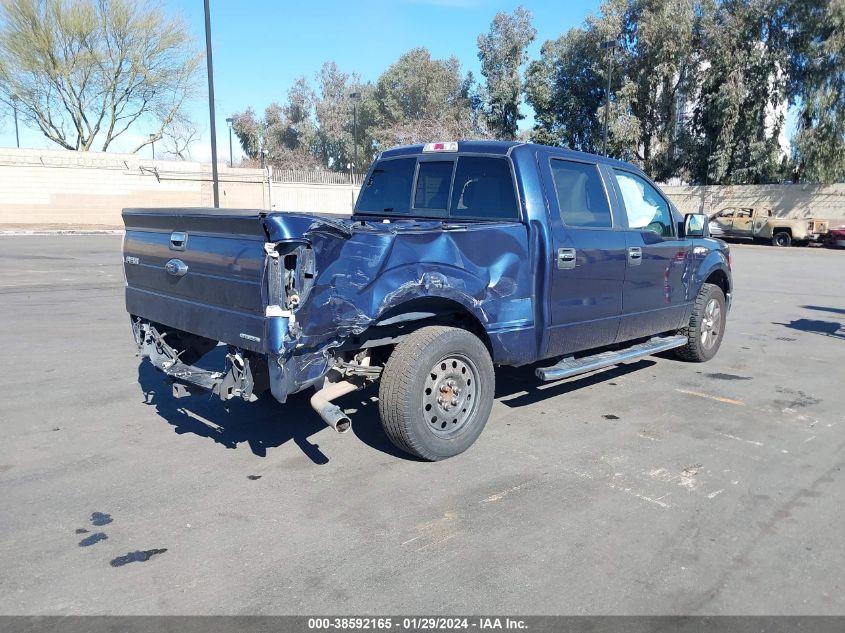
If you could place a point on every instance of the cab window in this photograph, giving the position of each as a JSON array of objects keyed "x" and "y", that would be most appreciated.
[
  {"x": 580, "y": 194},
  {"x": 433, "y": 180},
  {"x": 388, "y": 189},
  {"x": 483, "y": 189},
  {"x": 645, "y": 207}
]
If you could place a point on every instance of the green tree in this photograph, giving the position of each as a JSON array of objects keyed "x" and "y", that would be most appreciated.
[
  {"x": 566, "y": 89},
  {"x": 420, "y": 99},
  {"x": 742, "y": 102},
  {"x": 336, "y": 120},
  {"x": 85, "y": 71},
  {"x": 653, "y": 77},
  {"x": 503, "y": 53},
  {"x": 286, "y": 132},
  {"x": 817, "y": 48},
  {"x": 657, "y": 62}
]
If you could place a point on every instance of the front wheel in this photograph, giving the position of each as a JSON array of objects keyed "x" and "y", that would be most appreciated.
[
  {"x": 706, "y": 325},
  {"x": 436, "y": 392}
]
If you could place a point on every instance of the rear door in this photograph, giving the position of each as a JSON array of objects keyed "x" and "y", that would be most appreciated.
[
  {"x": 198, "y": 270},
  {"x": 658, "y": 271},
  {"x": 589, "y": 252}
]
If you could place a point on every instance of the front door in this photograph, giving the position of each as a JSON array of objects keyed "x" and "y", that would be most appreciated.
[
  {"x": 589, "y": 251},
  {"x": 659, "y": 268},
  {"x": 742, "y": 223},
  {"x": 724, "y": 220}
]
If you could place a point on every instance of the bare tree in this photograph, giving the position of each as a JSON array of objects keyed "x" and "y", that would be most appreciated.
[
  {"x": 86, "y": 71},
  {"x": 179, "y": 134}
]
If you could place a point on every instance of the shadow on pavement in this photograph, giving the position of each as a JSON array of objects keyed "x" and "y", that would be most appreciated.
[
  {"x": 826, "y": 309},
  {"x": 523, "y": 381},
  {"x": 267, "y": 424},
  {"x": 264, "y": 424},
  {"x": 832, "y": 329}
]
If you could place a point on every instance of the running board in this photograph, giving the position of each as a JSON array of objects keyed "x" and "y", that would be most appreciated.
[{"x": 573, "y": 366}]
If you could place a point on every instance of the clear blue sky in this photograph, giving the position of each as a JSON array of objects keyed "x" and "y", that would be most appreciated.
[{"x": 261, "y": 46}]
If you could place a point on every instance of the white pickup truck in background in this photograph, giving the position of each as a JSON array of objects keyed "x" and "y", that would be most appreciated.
[{"x": 760, "y": 224}]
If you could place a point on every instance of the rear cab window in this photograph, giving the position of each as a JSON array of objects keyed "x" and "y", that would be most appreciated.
[
  {"x": 483, "y": 190},
  {"x": 434, "y": 179},
  {"x": 460, "y": 187},
  {"x": 388, "y": 188}
]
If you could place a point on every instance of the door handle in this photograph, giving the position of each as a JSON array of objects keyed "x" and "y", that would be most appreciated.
[
  {"x": 566, "y": 258},
  {"x": 635, "y": 255}
]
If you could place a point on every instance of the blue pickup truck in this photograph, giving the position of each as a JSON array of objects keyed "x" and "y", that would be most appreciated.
[{"x": 459, "y": 256}]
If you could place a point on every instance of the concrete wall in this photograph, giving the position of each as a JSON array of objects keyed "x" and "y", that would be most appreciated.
[
  {"x": 49, "y": 187},
  {"x": 68, "y": 189},
  {"x": 796, "y": 201},
  {"x": 292, "y": 196}
]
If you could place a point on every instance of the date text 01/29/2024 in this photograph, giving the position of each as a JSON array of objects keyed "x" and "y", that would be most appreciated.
[{"x": 416, "y": 623}]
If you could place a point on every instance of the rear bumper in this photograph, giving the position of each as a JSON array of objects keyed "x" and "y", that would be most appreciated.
[
  {"x": 246, "y": 374},
  {"x": 243, "y": 376}
]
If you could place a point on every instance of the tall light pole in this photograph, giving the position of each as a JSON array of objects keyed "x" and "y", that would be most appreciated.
[
  {"x": 229, "y": 121},
  {"x": 611, "y": 46},
  {"x": 210, "y": 71},
  {"x": 355, "y": 97},
  {"x": 15, "y": 110},
  {"x": 153, "y": 144}
]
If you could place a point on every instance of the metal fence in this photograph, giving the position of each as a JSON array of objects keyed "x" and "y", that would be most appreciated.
[{"x": 315, "y": 177}]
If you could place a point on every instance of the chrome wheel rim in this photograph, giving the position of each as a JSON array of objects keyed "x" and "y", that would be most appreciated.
[
  {"x": 449, "y": 398},
  {"x": 711, "y": 324}
]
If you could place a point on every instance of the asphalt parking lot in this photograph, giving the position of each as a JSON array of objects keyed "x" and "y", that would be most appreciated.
[{"x": 657, "y": 487}]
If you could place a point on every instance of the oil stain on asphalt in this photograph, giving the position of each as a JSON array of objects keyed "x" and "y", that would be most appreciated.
[
  {"x": 136, "y": 557},
  {"x": 94, "y": 538},
  {"x": 721, "y": 376}
]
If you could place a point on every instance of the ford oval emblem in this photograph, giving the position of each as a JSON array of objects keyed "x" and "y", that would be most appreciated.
[{"x": 176, "y": 267}]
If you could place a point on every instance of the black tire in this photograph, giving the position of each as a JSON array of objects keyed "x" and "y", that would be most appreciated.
[
  {"x": 781, "y": 238},
  {"x": 706, "y": 328},
  {"x": 418, "y": 374}
]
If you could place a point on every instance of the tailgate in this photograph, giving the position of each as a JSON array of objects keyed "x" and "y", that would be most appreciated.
[{"x": 198, "y": 270}]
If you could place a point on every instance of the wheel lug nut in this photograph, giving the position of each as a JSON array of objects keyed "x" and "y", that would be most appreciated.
[
  {"x": 446, "y": 406},
  {"x": 454, "y": 402}
]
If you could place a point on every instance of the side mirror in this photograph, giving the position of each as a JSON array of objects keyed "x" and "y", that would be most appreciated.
[{"x": 695, "y": 225}]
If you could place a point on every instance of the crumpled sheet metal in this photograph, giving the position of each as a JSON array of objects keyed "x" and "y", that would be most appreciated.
[{"x": 365, "y": 269}]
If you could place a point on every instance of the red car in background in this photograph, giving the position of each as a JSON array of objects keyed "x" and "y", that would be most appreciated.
[{"x": 836, "y": 237}]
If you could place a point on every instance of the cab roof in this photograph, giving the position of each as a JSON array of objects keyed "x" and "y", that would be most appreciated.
[{"x": 504, "y": 148}]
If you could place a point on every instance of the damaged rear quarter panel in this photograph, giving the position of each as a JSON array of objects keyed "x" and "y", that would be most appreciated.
[{"x": 364, "y": 269}]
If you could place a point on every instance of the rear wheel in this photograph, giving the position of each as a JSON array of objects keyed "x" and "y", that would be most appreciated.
[
  {"x": 706, "y": 325},
  {"x": 436, "y": 392},
  {"x": 781, "y": 238}
]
